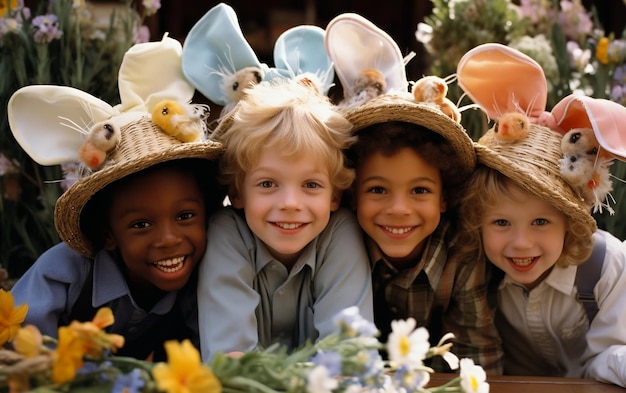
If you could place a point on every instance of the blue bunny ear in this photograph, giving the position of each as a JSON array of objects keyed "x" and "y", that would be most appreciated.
[
  {"x": 215, "y": 48},
  {"x": 299, "y": 51}
]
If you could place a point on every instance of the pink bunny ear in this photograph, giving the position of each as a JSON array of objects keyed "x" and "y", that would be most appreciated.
[
  {"x": 605, "y": 117},
  {"x": 503, "y": 80}
]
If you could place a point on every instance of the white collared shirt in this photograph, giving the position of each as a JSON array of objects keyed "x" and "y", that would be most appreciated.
[{"x": 546, "y": 331}]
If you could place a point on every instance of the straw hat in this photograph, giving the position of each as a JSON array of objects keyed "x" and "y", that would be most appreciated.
[
  {"x": 533, "y": 164},
  {"x": 143, "y": 144},
  {"x": 392, "y": 107},
  {"x": 67, "y": 120}
]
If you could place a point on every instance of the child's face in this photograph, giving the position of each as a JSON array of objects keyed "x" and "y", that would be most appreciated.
[
  {"x": 399, "y": 202},
  {"x": 523, "y": 236},
  {"x": 287, "y": 202},
  {"x": 157, "y": 222}
]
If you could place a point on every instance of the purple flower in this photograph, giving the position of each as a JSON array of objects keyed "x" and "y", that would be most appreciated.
[
  {"x": 331, "y": 360},
  {"x": 47, "y": 28},
  {"x": 128, "y": 383}
]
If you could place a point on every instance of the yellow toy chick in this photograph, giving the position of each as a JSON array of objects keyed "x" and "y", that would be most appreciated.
[
  {"x": 184, "y": 122},
  {"x": 433, "y": 89}
]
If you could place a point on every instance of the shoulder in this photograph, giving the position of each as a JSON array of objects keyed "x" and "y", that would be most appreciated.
[
  {"x": 615, "y": 254},
  {"x": 60, "y": 263}
]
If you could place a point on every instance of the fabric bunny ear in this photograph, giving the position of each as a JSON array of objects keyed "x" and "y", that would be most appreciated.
[
  {"x": 151, "y": 72},
  {"x": 355, "y": 44},
  {"x": 300, "y": 51},
  {"x": 502, "y": 80},
  {"x": 49, "y": 121},
  {"x": 604, "y": 117},
  {"x": 215, "y": 49}
]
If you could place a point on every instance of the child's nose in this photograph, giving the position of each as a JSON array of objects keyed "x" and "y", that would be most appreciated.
[
  {"x": 290, "y": 198},
  {"x": 168, "y": 236},
  {"x": 523, "y": 238},
  {"x": 399, "y": 204}
]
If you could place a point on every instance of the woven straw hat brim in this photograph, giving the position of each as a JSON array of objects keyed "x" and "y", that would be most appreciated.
[
  {"x": 69, "y": 206},
  {"x": 386, "y": 108},
  {"x": 533, "y": 165}
]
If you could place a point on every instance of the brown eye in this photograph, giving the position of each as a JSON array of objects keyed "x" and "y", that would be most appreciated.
[
  {"x": 258, "y": 77},
  {"x": 575, "y": 137},
  {"x": 235, "y": 86}
]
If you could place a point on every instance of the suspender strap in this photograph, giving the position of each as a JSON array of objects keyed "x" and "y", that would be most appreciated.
[{"x": 588, "y": 274}]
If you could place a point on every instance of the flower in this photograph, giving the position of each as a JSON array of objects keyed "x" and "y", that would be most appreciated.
[
  {"x": 320, "y": 381},
  {"x": 10, "y": 317},
  {"x": 28, "y": 341},
  {"x": 473, "y": 377},
  {"x": 184, "y": 373},
  {"x": 68, "y": 357},
  {"x": 61, "y": 42},
  {"x": 407, "y": 346},
  {"x": 342, "y": 362},
  {"x": 128, "y": 383}
]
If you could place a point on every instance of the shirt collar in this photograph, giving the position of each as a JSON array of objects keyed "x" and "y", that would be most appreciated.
[
  {"x": 307, "y": 256},
  {"x": 562, "y": 279}
]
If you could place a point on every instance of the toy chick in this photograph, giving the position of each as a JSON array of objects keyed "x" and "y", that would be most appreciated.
[{"x": 182, "y": 121}]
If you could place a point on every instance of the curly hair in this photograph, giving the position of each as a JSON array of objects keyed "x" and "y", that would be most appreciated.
[
  {"x": 484, "y": 188},
  {"x": 292, "y": 118},
  {"x": 391, "y": 137}
]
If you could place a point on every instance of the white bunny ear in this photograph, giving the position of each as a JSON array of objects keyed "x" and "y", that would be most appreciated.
[
  {"x": 150, "y": 73},
  {"x": 49, "y": 121},
  {"x": 354, "y": 44}
]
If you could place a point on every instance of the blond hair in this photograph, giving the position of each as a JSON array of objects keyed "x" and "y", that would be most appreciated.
[
  {"x": 293, "y": 118},
  {"x": 483, "y": 189}
]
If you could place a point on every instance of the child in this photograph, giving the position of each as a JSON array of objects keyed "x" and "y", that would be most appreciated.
[
  {"x": 283, "y": 260},
  {"x": 410, "y": 162},
  {"x": 133, "y": 229},
  {"x": 535, "y": 228}
]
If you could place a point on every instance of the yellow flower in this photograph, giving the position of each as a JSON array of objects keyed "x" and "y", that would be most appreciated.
[
  {"x": 94, "y": 337},
  {"x": 28, "y": 341},
  {"x": 68, "y": 356},
  {"x": 184, "y": 372},
  {"x": 602, "y": 50},
  {"x": 10, "y": 317},
  {"x": 5, "y": 6}
]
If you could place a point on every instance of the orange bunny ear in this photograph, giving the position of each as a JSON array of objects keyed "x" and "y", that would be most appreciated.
[
  {"x": 605, "y": 117},
  {"x": 502, "y": 80}
]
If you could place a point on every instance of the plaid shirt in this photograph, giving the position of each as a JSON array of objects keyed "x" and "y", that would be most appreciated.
[{"x": 443, "y": 295}]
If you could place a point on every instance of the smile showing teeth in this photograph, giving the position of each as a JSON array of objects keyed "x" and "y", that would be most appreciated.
[
  {"x": 398, "y": 231},
  {"x": 522, "y": 261},
  {"x": 170, "y": 265},
  {"x": 286, "y": 225}
]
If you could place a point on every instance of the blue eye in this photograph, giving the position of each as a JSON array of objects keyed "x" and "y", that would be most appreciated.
[
  {"x": 266, "y": 184},
  {"x": 501, "y": 222},
  {"x": 540, "y": 221},
  {"x": 312, "y": 184}
]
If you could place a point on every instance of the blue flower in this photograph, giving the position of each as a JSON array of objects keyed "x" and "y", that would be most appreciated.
[{"x": 128, "y": 383}]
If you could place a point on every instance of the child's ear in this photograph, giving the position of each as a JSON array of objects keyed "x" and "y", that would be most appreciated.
[
  {"x": 109, "y": 242},
  {"x": 443, "y": 206},
  {"x": 335, "y": 202}
]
